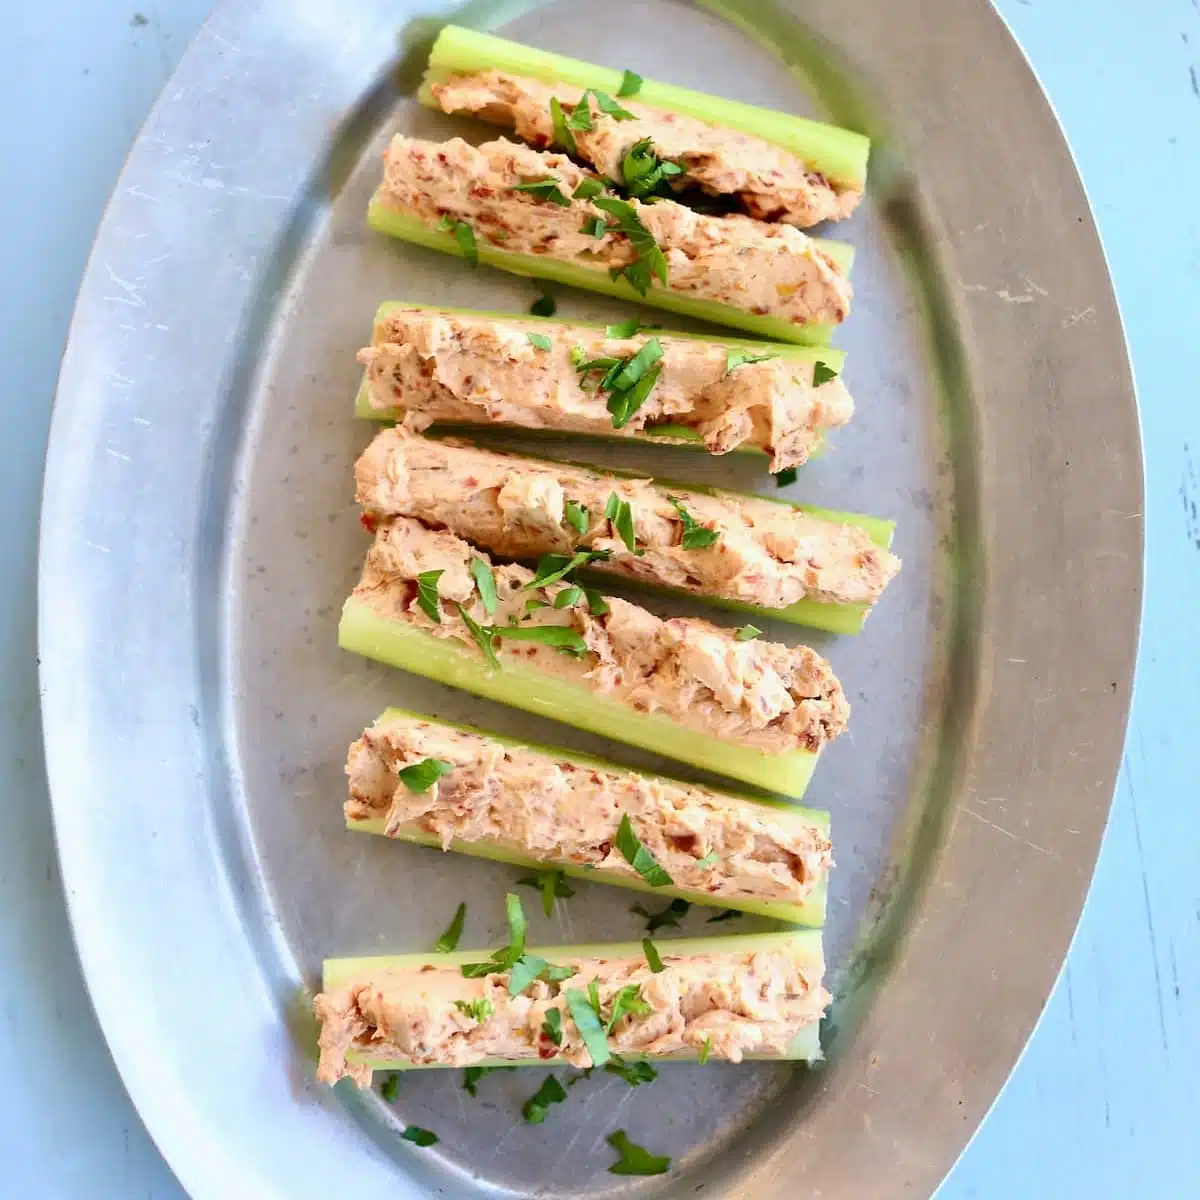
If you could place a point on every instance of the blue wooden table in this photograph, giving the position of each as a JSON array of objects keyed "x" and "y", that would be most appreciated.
[{"x": 1106, "y": 1101}]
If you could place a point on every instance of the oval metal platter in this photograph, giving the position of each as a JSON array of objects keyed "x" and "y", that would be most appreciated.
[{"x": 199, "y": 536}]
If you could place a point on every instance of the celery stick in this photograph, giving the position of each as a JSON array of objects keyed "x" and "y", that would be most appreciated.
[
  {"x": 364, "y": 631},
  {"x": 811, "y": 912},
  {"x": 805, "y": 943},
  {"x": 410, "y": 228},
  {"x": 839, "y": 154}
]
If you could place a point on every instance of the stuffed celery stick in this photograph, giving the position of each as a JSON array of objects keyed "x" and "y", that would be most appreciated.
[
  {"x": 536, "y": 213},
  {"x": 755, "y": 996},
  {"x": 759, "y": 554},
  {"x": 754, "y": 710},
  {"x": 426, "y": 781},
  {"x": 651, "y": 137},
  {"x": 458, "y": 367}
]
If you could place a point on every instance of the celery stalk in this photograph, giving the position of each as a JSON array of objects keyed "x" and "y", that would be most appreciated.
[
  {"x": 447, "y": 660},
  {"x": 409, "y": 228},
  {"x": 839, "y": 154},
  {"x": 806, "y": 1047},
  {"x": 811, "y": 912}
]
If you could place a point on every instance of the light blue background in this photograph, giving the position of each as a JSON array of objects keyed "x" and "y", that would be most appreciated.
[{"x": 1106, "y": 1102}]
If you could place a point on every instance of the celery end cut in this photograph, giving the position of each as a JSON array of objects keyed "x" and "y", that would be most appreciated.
[
  {"x": 840, "y": 154},
  {"x": 596, "y": 279},
  {"x": 448, "y": 660}
]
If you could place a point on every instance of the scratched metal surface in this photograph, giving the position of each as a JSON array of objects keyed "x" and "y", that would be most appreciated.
[{"x": 1068, "y": 1135}]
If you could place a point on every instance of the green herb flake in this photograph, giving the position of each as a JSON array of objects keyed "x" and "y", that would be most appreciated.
[
  {"x": 588, "y": 189},
  {"x": 568, "y": 597},
  {"x": 594, "y": 227},
  {"x": 485, "y": 637},
  {"x": 534, "y": 1109},
  {"x": 635, "y": 1159},
  {"x": 552, "y": 884},
  {"x": 653, "y": 958},
  {"x": 561, "y": 637},
  {"x": 552, "y": 1026},
  {"x": 524, "y": 971},
  {"x": 552, "y": 568},
  {"x": 387, "y": 1089},
  {"x": 422, "y": 1137},
  {"x": 620, "y": 513},
  {"x": 544, "y": 189},
  {"x": 597, "y": 605},
  {"x": 427, "y": 595},
  {"x": 472, "y": 1076},
  {"x": 747, "y": 633},
  {"x": 705, "y": 1050},
  {"x": 627, "y": 1002},
  {"x": 485, "y": 581},
  {"x": 478, "y": 1009},
  {"x": 533, "y": 604},
  {"x": 581, "y": 115},
  {"x": 645, "y": 174},
  {"x": 650, "y": 260},
  {"x": 709, "y": 860},
  {"x": 628, "y": 380},
  {"x": 631, "y": 84},
  {"x": 464, "y": 235},
  {"x": 785, "y": 477},
  {"x": 728, "y": 914},
  {"x": 563, "y": 137},
  {"x": 449, "y": 940},
  {"x": 578, "y": 354},
  {"x": 638, "y": 857},
  {"x": 421, "y": 776},
  {"x": 736, "y": 357},
  {"x": 671, "y": 915},
  {"x": 577, "y": 517},
  {"x": 507, "y": 956},
  {"x": 545, "y": 305},
  {"x": 588, "y": 1023},
  {"x": 539, "y": 341},
  {"x": 634, "y": 1073},
  {"x": 695, "y": 535},
  {"x": 822, "y": 373},
  {"x": 623, "y": 329}
]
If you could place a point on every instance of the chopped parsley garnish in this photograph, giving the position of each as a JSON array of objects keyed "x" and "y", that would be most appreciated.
[
  {"x": 533, "y": 604},
  {"x": 563, "y": 136},
  {"x": 504, "y": 958},
  {"x": 544, "y": 189},
  {"x": 635, "y": 1159},
  {"x": 427, "y": 594},
  {"x": 539, "y": 341},
  {"x": 671, "y": 915},
  {"x": 628, "y": 380},
  {"x": 644, "y": 173},
  {"x": 485, "y": 581},
  {"x": 633, "y": 1073},
  {"x": 535, "y": 1108},
  {"x": 553, "y": 567},
  {"x": 594, "y": 227},
  {"x": 552, "y": 1026},
  {"x": 627, "y": 1002},
  {"x": 545, "y": 305},
  {"x": 421, "y": 776},
  {"x": 577, "y": 517},
  {"x": 736, "y": 357},
  {"x": 623, "y": 329},
  {"x": 423, "y": 1137},
  {"x": 581, "y": 114},
  {"x": 587, "y": 1021},
  {"x": 728, "y": 914},
  {"x": 631, "y": 83},
  {"x": 695, "y": 535},
  {"x": 561, "y": 637},
  {"x": 708, "y": 860},
  {"x": 449, "y": 939},
  {"x": 705, "y": 1050},
  {"x": 568, "y": 597},
  {"x": 530, "y": 967},
  {"x": 653, "y": 958},
  {"x": 478, "y": 1009},
  {"x": 649, "y": 260},
  {"x": 588, "y": 189},
  {"x": 485, "y": 637},
  {"x": 586, "y": 1073},
  {"x": 387, "y": 1089},
  {"x": 464, "y": 235},
  {"x": 552, "y": 884},
  {"x": 747, "y": 633},
  {"x": 597, "y": 605},
  {"x": 620, "y": 513},
  {"x": 638, "y": 857},
  {"x": 472, "y": 1076},
  {"x": 786, "y": 476},
  {"x": 822, "y": 373}
]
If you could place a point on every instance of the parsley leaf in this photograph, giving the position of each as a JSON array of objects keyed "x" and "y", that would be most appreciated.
[
  {"x": 544, "y": 189},
  {"x": 427, "y": 594},
  {"x": 597, "y": 605},
  {"x": 786, "y": 476},
  {"x": 484, "y": 637},
  {"x": 568, "y": 597},
  {"x": 524, "y": 971},
  {"x": 708, "y": 860},
  {"x": 747, "y": 633},
  {"x": 633, "y": 1073},
  {"x": 506, "y": 957},
  {"x": 485, "y": 581},
  {"x": 472, "y": 1076},
  {"x": 387, "y": 1089},
  {"x": 545, "y": 305},
  {"x": 478, "y": 1009},
  {"x": 653, "y": 958},
  {"x": 631, "y": 83},
  {"x": 552, "y": 1026},
  {"x": 670, "y": 915},
  {"x": 705, "y": 1050},
  {"x": 561, "y": 637},
  {"x": 553, "y": 567},
  {"x": 421, "y": 1137},
  {"x": 535, "y": 1108},
  {"x": 563, "y": 137},
  {"x": 539, "y": 341},
  {"x": 581, "y": 114},
  {"x": 729, "y": 914},
  {"x": 644, "y": 173},
  {"x": 649, "y": 260},
  {"x": 588, "y": 1024},
  {"x": 695, "y": 535},
  {"x": 464, "y": 235},
  {"x": 552, "y": 884},
  {"x": 623, "y": 329},
  {"x": 449, "y": 939},
  {"x": 594, "y": 227},
  {"x": 822, "y": 373},
  {"x": 577, "y": 517},
  {"x": 635, "y": 1159},
  {"x": 737, "y": 357},
  {"x": 620, "y": 513},
  {"x": 638, "y": 857},
  {"x": 421, "y": 776},
  {"x": 588, "y": 189},
  {"x": 627, "y": 1002}
]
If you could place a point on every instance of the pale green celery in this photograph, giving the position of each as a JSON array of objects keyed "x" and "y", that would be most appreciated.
[
  {"x": 805, "y": 943},
  {"x": 811, "y": 912},
  {"x": 410, "y": 228},
  {"x": 839, "y": 154},
  {"x": 519, "y": 684}
]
